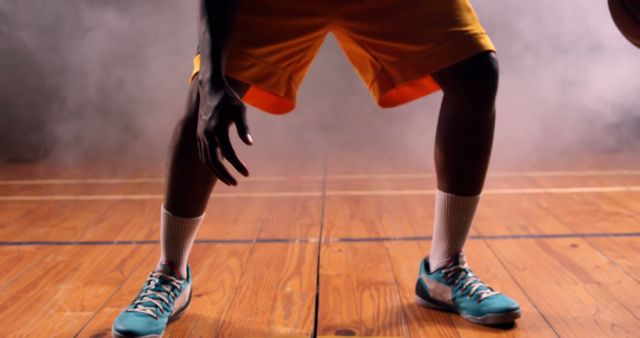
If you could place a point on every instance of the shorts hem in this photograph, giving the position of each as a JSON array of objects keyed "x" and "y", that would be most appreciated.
[
  {"x": 409, "y": 79},
  {"x": 272, "y": 89}
]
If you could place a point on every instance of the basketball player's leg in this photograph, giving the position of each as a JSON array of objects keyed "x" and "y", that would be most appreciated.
[
  {"x": 466, "y": 122},
  {"x": 189, "y": 184},
  {"x": 464, "y": 138}
]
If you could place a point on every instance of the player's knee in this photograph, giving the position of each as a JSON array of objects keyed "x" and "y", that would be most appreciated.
[
  {"x": 489, "y": 71},
  {"x": 486, "y": 70},
  {"x": 484, "y": 82},
  {"x": 474, "y": 80}
]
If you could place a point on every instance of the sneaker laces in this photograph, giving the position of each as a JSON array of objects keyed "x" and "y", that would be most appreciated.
[
  {"x": 463, "y": 274},
  {"x": 157, "y": 290}
]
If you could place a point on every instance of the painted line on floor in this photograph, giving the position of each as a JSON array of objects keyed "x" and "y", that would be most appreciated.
[
  {"x": 330, "y": 193},
  {"x": 330, "y": 240},
  {"x": 577, "y": 173}
]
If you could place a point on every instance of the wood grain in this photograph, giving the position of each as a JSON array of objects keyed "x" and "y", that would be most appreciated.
[
  {"x": 423, "y": 322},
  {"x": 573, "y": 287},
  {"x": 623, "y": 251},
  {"x": 358, "y": 292},
  {"x": 579, "y": 291},
  {"x": 61, "y": 293},
  {"x": 275, "y": 295}
]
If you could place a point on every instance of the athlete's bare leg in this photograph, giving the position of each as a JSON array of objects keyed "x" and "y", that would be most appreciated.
[
  {"x": 189, "y": 182},
  {"x": 466, "y": 123},
  {"x": 463, "y": 147}
]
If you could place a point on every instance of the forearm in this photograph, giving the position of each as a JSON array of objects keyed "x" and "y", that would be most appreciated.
[{"x": 216, "y": 18}]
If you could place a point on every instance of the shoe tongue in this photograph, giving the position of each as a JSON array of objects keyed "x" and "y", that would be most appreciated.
[
  {"x": 168, "y": 269},
  {"x": 459, "y": 259}
]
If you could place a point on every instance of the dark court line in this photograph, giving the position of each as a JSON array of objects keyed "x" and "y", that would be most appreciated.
[
  {"x": 323, "y": 200},
  {"x": 315, "y": 240}
]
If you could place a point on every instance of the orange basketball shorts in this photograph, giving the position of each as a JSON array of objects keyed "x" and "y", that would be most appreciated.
[{"x": 394, "y": 45}]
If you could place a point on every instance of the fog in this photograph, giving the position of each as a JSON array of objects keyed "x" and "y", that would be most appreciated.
[{"x": 87, "y": 79}]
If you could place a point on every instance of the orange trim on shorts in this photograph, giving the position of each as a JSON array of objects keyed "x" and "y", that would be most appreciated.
[{"x": 410, "y": 79}]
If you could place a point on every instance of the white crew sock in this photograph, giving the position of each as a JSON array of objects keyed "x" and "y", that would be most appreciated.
[
  {"x": 453, "y": 217},
  {"x": 176, "y": 237}
]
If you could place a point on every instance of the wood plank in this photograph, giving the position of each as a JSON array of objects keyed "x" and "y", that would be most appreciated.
[
  {"x": 378, "y": 216},
  {"x": 405, "y": 258},
  {"x": 585, "y": 181},
  {"x": 380, "y": 183},
  {"x": 216, "y": 271},
  {"x": 85, "y": 221},
  {"x": 69, "y": 219},
  {"x": 63, "y": 292},
  {"x": 35, "y": 220},
  {"x": 276, "y": 294},
  {"x": 588, "y": 212},
  {"x": 630, "y": 200},
  {"x": 18, "y": 260},
  {"x": 358, "y": 293},
  {"x": 153, "y": 186},
  {"x": 9, "y": 211},
  {"x": 405, "y": 216},
  {"x": 423, "y": 322},
  {"x": 125, "y": 221},
  {"x": 488, "y": 267},
  {"x": 580, "y": 292},
  {"x": 592, "y": 212},
  {"x": 515, "y": 215},
  {"x": 294, "y": 218},
  {"x": 410, "y": 182},
  {"x": 233, "y": 218},
  {"x": 37, "y": 189},
  {"x": 248, "y": 218},
  {"x": 623, "y": 251},
  {"x": 95, "y": 282},
  {"x": 239, "y": 290},
  {"x": 106, "y": 167}
]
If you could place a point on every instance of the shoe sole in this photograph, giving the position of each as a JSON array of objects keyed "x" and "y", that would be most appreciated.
[
  {"x": 115, "y": 334},
  {"x": 488, "y": 319},
  {"x": 175, "y": 316}
]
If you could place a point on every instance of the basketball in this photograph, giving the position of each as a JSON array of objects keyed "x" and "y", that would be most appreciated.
[{"x": 626, "y": 15}]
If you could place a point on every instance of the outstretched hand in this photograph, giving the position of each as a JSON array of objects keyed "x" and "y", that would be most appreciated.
[{"x": 218, "y": 110}]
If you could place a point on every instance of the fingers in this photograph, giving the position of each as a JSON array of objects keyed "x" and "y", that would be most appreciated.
[
  {"x": 230, "y": 154},
  {"x": 215, "y": 164},
  {"x": 212, "y": 160},
  {"x": 214, "y": 144},
  {"x": 243, "y": 128}
]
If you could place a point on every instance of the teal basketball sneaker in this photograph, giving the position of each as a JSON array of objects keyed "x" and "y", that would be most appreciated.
[
  {"x": 163, "y": 298},
  {"x": 456, "y": 288}
]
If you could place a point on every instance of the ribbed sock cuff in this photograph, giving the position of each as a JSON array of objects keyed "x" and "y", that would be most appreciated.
[
  {"x": 453, "y": 217},
  {"x": 177, "y": 236}
]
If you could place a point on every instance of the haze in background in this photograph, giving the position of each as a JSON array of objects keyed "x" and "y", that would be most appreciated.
[{"x": 87, "y": 79}]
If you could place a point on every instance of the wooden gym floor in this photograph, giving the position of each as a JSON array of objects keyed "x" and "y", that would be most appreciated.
[{"x": 320, "y": 252}]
